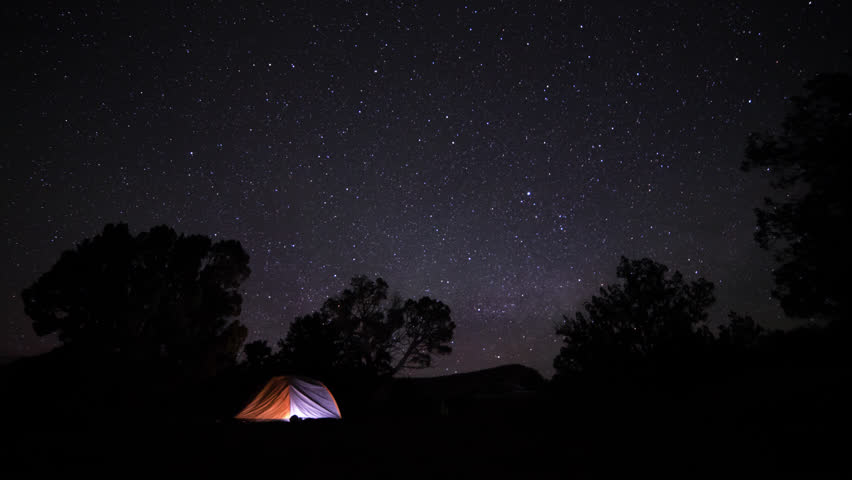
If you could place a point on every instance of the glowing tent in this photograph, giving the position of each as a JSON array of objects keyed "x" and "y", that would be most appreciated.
[{"x": 284, "y": 397}]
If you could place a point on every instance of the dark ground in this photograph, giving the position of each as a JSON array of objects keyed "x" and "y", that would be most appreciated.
[{"x": 776, "y": 420}]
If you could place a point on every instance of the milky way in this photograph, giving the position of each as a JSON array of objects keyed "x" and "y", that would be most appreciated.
[{"x": 499, "y": 158}]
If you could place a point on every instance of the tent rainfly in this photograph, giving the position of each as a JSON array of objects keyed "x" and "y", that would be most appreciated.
[{"x": 284, "y": 397}]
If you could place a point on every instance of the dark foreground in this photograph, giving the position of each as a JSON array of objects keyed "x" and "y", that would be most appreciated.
[
  {"x": 498, "y": 448},
  {"x": 747, "y": 425},
  {"x": 58, "y": 416}
]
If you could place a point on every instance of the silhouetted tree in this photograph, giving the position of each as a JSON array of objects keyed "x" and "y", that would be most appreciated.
[
  {"x": 741, "y": 331},
  {"x": 650, "y": 316},
  {"x": 810, "y": 167},
  {"x": 741, "y": 343},
  {"x": 312, "y": 347},
  {"x": 423, "y": 328},
  {"x": 154, "y": 298},
  {"x": 362, "y": 332},
  {"x": 258, "y": 354}
]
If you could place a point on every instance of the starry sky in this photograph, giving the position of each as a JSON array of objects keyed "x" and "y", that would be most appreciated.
[{"x": 497, "y": 156}]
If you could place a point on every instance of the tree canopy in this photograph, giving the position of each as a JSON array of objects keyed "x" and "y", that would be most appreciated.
[
  {"x": 649, "y": 316},
  {"x": 809, "y": 166},
  {"x": 422, "y": 328},
  {"x": 314, "y": 347},
  {"x": 157, "y": 297},
  {"x": 358, "y": 319},
  {"x": 363, "y": 331}
]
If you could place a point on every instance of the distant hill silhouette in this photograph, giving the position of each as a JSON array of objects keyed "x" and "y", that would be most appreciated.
[
  {"x": 491, "y": 381},
  {"x": 478, "y": 393}
]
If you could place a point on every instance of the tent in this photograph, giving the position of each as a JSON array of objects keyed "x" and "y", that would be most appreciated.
[{"x": 284, "y": 397}]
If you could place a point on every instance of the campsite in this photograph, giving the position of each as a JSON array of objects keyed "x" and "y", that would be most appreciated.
[
  {"x": 348, "y": 239},
  {"x": 128, "y": 391},
  {"x": 335, "y": 396}
]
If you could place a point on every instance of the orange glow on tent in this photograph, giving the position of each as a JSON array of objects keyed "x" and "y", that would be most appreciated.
[{"x": 284, "y": 397}]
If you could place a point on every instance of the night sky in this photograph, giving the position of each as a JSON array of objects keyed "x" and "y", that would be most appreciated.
[{"x": 499, "y": 157}]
